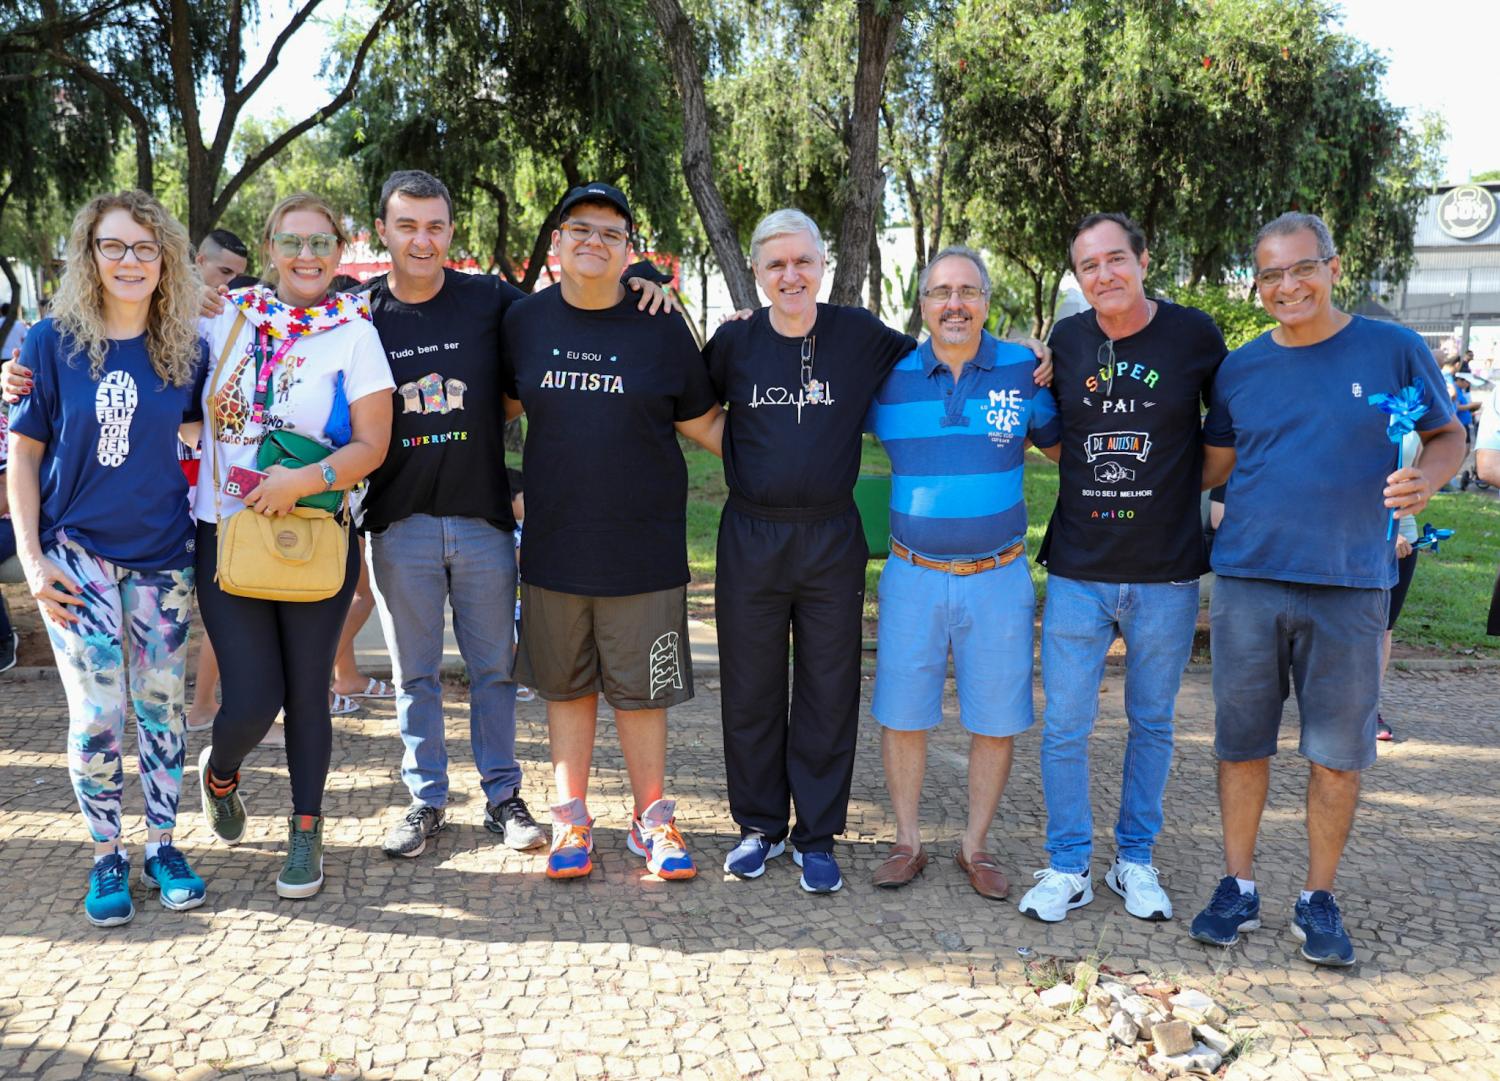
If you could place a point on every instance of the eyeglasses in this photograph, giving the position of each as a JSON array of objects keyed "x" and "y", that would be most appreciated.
[
  {"x": 1105, "y": 358},
  {"x": 579, "y": 232},
  {"x": 941, "y": 294},
  {"x": 1301, "y": 271},
  {"x": 146, "y": 251},
  {"x": 290, "y": 245}
]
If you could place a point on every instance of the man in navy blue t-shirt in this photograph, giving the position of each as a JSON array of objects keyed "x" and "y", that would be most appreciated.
[{"x": 1305, "y": 560}]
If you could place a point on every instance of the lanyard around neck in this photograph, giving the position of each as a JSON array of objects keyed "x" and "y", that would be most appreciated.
[{"x": 268, "y": 362}]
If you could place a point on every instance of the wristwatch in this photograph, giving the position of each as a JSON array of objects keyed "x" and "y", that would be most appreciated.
[{"x": 329, "y": 476}]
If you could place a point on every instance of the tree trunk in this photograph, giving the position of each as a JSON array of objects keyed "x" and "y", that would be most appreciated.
[
  {"x": 697, "y": 154},
  {"x": 877, "y": 279},
  {"x": 703, "y": 293},
  {"x": 879, "y": 24}
]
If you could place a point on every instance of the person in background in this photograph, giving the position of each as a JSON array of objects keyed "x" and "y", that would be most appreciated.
[
  {"x": 518, "y": 511},
  {"x": 102, "y": 525},
  {"x": 222, "y": 257},
  {"x": 17, "y": 332},
  {"x": 302, "y": 359},
  {"x": 1406, "y": 567}
]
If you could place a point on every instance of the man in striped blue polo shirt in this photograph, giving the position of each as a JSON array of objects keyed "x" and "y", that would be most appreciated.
[{"x": 956, "y": 416}]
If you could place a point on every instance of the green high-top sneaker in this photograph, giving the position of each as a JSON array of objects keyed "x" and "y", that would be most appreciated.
[{"x": 302, "y": 874}]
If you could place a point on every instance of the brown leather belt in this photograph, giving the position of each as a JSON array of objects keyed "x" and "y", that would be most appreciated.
[{"x": 958, "y": 566}]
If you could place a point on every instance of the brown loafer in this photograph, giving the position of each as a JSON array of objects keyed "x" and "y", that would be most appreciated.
[
  {"x": 900, "y": 867},
  {"x": 984, "y": 874}
]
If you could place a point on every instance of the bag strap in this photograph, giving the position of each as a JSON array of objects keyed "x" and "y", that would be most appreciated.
[{"x": 215, "y": 385}]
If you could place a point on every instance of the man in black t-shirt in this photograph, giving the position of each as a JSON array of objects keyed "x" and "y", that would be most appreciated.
[
  {"x": 1123, "y": 552},
  {"x": 798, "y": 378},
  {"x": 606, "y": 390},
  {"x": 438, "y": 512}
]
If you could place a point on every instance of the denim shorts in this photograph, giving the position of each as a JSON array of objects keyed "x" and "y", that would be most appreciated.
[
  {"x": 1269, "y": 636},
  {"x": 986, "y": 621}
]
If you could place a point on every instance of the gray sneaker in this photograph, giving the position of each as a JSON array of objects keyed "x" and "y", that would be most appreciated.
[
  {"x": 409, "y": 836},
  {"x": 513, "y": 822}
]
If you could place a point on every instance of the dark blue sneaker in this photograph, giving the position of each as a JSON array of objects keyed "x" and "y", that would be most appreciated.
[
  {"x": 108, "y": 902},
  {"x": 1320, "y": 928},
  {"x": 748, "y": 858},
  {"x": 1227, "y": 914},
  {"x": 820, "y": 871},
  {"x": 180, "y": 886}
]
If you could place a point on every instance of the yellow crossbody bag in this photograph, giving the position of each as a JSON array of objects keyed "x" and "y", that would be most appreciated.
[{"x": 300, "y": 556}]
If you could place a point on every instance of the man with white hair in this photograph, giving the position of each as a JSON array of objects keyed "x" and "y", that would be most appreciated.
[{"x": 799, "y": 377}]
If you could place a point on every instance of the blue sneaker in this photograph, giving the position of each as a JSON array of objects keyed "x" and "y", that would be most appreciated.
[
  {"x": 1319, "y": 926},
  {"x": 168, "y": 871},
  {"x": 748, "y": 858},
  {"x": 1227, "y": 914},
  {"x": 820, "y": 871},
  {"x": 108, "y": 902}
]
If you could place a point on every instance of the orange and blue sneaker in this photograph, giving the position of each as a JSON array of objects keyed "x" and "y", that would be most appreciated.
[
  {"x": 572, "y": 854},
  {"x": 654, "y": 835}
]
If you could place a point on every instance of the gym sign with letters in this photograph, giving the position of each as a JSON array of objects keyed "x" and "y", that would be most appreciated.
[{"x": 1465, "y": 212}]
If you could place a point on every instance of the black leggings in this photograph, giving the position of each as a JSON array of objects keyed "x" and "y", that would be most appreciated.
[
  {"x": 273, "y": 656},
  {"x": 1405, "y": 568}
]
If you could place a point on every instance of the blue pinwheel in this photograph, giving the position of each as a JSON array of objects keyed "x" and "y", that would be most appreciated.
[
  {"x": 1402, "y": 409},
  {"x": 1431, "y": 538}
]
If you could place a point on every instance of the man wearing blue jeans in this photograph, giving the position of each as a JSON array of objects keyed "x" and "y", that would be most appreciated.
[
  {"x": 1123, "y": 552},
  {"x": 1294, "y": 416},
  {"x": 955, "y": 416},
  {"x": 438, "y": 513}
]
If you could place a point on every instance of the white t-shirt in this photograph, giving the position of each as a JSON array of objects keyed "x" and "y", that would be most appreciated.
[{"x": 302, "y": 389}]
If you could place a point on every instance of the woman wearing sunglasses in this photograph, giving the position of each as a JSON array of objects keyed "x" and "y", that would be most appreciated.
[
  {"x": 294, "y": 358},
  {"x": 102, "y": 524}
]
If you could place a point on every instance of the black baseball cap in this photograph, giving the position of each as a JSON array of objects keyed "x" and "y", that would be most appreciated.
[{"x": 598, "y": 193}]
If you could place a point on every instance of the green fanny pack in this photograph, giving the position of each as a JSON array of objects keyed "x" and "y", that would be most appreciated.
[{"x": 294, "y": 451}]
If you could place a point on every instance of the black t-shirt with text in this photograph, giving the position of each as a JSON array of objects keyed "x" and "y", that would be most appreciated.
[
  {"x": 606, "y": 484},
  {"x": 446, "y": 457},
  {"x": 785, "y": 446},
  {"x": 1132, "y": 447}
]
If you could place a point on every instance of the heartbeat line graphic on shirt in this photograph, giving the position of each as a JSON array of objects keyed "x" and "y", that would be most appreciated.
[{"x": 783, "y": 396}]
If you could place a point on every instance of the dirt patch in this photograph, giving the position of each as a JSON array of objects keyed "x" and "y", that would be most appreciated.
[{"x": 35, "y": 652}]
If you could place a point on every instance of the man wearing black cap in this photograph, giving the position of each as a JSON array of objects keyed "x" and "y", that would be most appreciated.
[{"x": 603, "y": 599}]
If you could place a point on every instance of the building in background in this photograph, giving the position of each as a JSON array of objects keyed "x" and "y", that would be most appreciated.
[{"x": 1452, "y": 297}]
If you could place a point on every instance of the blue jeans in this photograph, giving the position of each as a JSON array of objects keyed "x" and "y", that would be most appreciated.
[
  {"x": 416, "y": 565},
  {"x": 1081, "y": 619}
]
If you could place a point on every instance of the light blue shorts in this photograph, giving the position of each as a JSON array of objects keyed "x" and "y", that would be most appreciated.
[{"x": 985, "y": 620}]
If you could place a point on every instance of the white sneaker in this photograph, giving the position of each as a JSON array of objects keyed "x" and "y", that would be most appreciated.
[
  {"x": 1056, "y": 895},
  {"x": 1137, "y": 883}
]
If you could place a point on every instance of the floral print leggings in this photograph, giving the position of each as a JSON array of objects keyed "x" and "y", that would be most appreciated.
[{"x": 147, "y": 614}]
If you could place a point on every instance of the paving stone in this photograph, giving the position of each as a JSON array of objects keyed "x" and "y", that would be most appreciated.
[{"x": 466, "y": 963}]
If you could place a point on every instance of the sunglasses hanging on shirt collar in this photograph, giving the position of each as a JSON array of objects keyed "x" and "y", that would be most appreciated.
[{"x": 814, "y": 388}]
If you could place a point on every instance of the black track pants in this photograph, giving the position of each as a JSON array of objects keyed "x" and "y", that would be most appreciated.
[
  {"x": 273, "y": 656},
  {"x": 809, "y": 577}
]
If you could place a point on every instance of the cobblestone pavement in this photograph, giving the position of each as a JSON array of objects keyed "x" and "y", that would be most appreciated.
[{"x": 468, "y": 963}]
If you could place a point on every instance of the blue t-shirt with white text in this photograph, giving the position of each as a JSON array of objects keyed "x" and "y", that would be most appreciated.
[
  {"x": 1305, "y": 502},
  {"x": 957, "y": 450},
  {"x": 109, "y": 476}
]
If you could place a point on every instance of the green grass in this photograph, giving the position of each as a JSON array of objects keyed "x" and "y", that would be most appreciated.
[
  {"x": 1450, "y": 594},
  {"x": 1445, "y": 610}
]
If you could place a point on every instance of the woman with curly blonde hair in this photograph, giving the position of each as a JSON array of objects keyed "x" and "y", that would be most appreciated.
[{"x": 103, "y": 526}]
